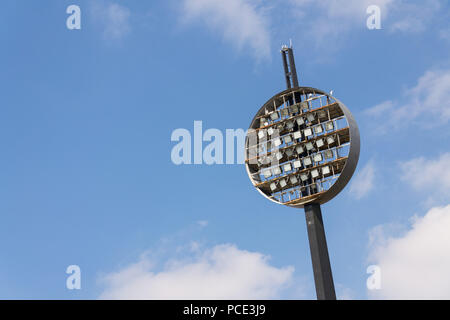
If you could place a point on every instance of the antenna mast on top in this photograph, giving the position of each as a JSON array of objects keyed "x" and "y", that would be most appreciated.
[{"x": 290, "y": 73}]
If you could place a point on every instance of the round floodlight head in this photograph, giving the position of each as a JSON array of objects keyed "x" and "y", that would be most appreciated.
[{"x": 302, "y": 147}]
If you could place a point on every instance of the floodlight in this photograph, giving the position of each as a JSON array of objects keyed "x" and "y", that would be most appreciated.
[
  {"x": 270, "y": 131},
  {"x": 330, "y": 140},
  {"x": 325, "y": 170},
  {"x": 261, "y": 134},
  {"x": 321, "y": 114},
  {"x": 308, "y": 132},
  {"x": 304, "y": 176},
  {"x": 318, "y": 129},
  {"x": 293, "y": 180},
  {"x": 318, "y": 157},
  {"x": 294, "y": 108},
  {"x": 309, "y": 146},
  {"x": 262, "y": 122},
  {"x": 289, "y": 152},
  {"x": 304, "y": 105},
  {"x": 267, "y": 173},
  {"x": 329, "y": 126},
  {"x": 277, "y": 142},
  {"x": 287, "y": 139},
  {"x": 290, "y": 124},
  {"x": 319, "y": 143},
  {"x": 310, "y": 117},
  {"x": 284, "y": 112},
  {"x": 297, "y": 135},
  {"x": 276, "y": 171},
  {"x": 273, "y": 186},
  {"x": 314, "y": 173},
  {"x": 300, "y": 121},
  {"x": 279, "y": 155},
  {"x": 287, "y": 167},
  {"x": 299, "y": 149},
  {"x": 307, "y": 161},
  {"x": 297, "y": 164},
  {"x": 274, "y": 116},
  {"x": 328, "y": 154},
  {"x": 283, "y": 183}
]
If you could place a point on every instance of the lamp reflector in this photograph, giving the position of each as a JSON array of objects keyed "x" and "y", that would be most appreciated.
[
  {"x": 308, "y": 132},
  {"x": 307, "y": 161},
  {"x": 276, "y": 171},
  {"x": 318, "y": 129},
  {"x": 287, "y": 167},
  {"x": 297, "y": 164},
  {"x": 273, "y": 186},
  {"x": 304, "y": 176},
  {"x": 297, "y": 135},
  {"x": 329, "y": 126},
  {"x": 299, "y": 149},
  {"x": 325, "y": 170},
  {"x": 288, "y": 139},
  {"x": 318, "y": 157},
  {"x": 283, "y": 183},
  {"x": 309, "y": 146},
  {"x": 314, "y": 173},
  {"x": 310, "y": 117},
  {"x": 293, "y": 179},
  {"x": 319, "y": 143},
  {"x": 330, "y": 140},
  {"x": 277, "y": 142},
  {"x": 300, "y": 121}
]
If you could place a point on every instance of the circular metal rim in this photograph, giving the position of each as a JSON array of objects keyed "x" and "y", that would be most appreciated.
[{"x": 353, "y": 154}]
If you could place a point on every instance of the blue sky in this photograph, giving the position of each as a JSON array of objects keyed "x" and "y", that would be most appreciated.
[{"x": 87, "y": 178}]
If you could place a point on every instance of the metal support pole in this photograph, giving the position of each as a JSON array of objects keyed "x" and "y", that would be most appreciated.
[{"x": 323, "y": 277}]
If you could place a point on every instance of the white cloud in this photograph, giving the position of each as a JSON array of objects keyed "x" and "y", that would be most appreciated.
[
  {"x": 363, "y": 182},
  {"x": 427, "y": 101},
  {"x": 222, "y": 272},
  {"x": 328, "y": 22},
  {"x": 114, "y": 19},
  {"x": 416, "y": 264},
  {"x": 429, "y": 176},
  {"x": 240, "y": 22},
  {"x": 202, "y": 223}
]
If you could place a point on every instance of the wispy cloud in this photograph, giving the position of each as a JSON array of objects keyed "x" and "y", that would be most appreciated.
[
  {"x": 363, "y": 182},
  {"x": 222, "y": 272},
  {"x": 242, "y": 23},
  {"x": 112, "y": 18},
  {"x": 429, "y": 176},
  {"x": 415, "y": 265},
  {"x": 426, "y": 102}
]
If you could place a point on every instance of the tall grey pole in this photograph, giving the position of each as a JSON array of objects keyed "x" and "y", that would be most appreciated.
[{"x": 323, "y": 277}]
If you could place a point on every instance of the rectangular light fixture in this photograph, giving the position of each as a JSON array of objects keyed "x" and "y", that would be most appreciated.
[
  {"x": 310, "y": 117},
  {"x": 293, "y": 179},
  {"x": 325, "y": 170},
  {"x": 321, "y": 114},
  {"x": 328, "y": 154},
  {"x": 283, "y": 183},
  {"x": 300, "y": 121},
  {"x": 297, "y": 135},
  {"x": 288, "y": 139},
  {"x": 284, "y": 112},
  {"x": 314, "y": 173},
  {"x": 287, "y": 167},
  {"x": 289, "y": 152},
  {"x": 308, "y": 132},
  {"x": 290, "y": 124},
  {"x": 304, "y": 176},
  {"x": 318, "y": 129},
  {"x": 267, "y": 173},
  {"x": 276, "y": 171},
  {"x": 330, "y": 140},
  {"x": 273, "y": 186},
  {"x": 319, "y": 143},
  {"x": 309, "y": 146},
  {"x": 262, "y": 122},
  {"x": 279, "y": 155},
  {"x": 329, "y": 126},
  {"x": 261, "y": 134},
  {"x": 277, "y": 142},
  {"x": 270, "y": 131},
  {"x": 274, "y": 115},
  {"x": 299, "y": 149},
  {"x": 297, "y": 164},
  {"x": 307, "y": 161},
  {"x": 318, "y": 157},
  {"x": 304, "y": 105},
  {"x": 294, "y": 108}
]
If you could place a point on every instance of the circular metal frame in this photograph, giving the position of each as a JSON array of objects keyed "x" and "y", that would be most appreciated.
[{"x": 350, "y": 164}]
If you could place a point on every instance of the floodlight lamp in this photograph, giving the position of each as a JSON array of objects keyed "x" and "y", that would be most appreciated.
[
  {"x": 326, "y": 110},
  {"x": 308, "y": 132}
]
